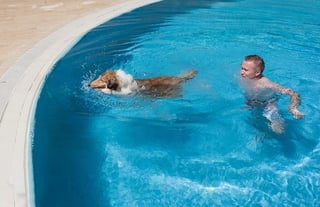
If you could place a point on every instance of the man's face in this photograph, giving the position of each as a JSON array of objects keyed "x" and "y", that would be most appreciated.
[{"x": 249, "y": 70}]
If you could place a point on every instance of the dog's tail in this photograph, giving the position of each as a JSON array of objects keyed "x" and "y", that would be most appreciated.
[{"x": 188, "y": 74}]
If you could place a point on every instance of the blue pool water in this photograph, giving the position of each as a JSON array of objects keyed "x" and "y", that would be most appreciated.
[{"x": 202, "y": 149}]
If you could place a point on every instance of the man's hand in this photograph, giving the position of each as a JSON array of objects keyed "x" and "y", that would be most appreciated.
[
  {"x": 294, "y": 102},
  {"x": 296, "y": 113}
]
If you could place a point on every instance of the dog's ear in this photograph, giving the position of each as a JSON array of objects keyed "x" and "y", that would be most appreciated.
[{"x": 112, "y": 84}]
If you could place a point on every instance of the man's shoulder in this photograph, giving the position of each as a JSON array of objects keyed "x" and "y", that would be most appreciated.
[{"x": 266, "y": 82}]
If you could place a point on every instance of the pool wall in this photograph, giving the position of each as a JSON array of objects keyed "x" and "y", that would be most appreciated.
[{"x": 20, "y": 87}]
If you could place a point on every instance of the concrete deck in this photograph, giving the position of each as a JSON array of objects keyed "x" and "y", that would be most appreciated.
[{"x": 34, "y": 35}]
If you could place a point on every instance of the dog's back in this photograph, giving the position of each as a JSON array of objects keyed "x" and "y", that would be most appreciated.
[
  {"x": 164, "y": 86},
  {"x": 167, "y": 80}
]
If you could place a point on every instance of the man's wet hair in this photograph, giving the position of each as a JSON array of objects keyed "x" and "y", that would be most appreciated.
[{"x": 257, "y": 60}]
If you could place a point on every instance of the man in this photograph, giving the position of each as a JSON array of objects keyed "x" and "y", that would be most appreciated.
[{"x": 262, "y": 92}]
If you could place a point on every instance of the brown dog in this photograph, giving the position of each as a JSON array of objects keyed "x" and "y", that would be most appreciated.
[{"x": 118, "y": 82}]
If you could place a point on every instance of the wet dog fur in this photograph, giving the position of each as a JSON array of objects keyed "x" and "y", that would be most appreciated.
[{"x": 112, "y": 82}]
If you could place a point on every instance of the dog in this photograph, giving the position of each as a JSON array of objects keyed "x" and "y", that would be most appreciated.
[{"x": 120, "y": 83}]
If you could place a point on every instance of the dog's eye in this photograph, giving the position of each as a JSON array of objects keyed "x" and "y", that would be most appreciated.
[{"x": 112, "y": 84}]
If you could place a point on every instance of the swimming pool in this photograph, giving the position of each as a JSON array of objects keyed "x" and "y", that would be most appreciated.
[{"x": 202, "y": 149}]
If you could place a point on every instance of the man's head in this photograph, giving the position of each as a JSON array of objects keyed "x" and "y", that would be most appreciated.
[{"x": 252, "y": 67}]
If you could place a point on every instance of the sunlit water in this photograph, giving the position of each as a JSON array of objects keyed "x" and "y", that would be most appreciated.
[{"x": 202, "y": 149}]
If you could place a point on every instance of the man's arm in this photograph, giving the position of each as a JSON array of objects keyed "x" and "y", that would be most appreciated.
[
  {"x": 294, "y": 103},
  {"x": 294, "y": 99}
]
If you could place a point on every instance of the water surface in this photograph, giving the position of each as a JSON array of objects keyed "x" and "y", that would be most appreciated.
[{"x": 202, "y": 149}]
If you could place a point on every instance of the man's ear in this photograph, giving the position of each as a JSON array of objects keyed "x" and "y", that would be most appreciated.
[{"x": 258, "y": 73}]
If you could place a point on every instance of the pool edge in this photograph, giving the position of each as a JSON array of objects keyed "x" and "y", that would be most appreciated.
[{"x": 21, "y": 85}]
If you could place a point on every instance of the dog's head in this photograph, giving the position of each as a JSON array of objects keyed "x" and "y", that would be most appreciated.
[{"x": 107, "y": 80}]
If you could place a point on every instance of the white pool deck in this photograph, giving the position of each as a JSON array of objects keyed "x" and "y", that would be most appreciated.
[{"x": 20, "y": 84}]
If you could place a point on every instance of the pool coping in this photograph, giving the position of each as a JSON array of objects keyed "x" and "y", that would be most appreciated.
[{"x": 20, "y": 87}]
